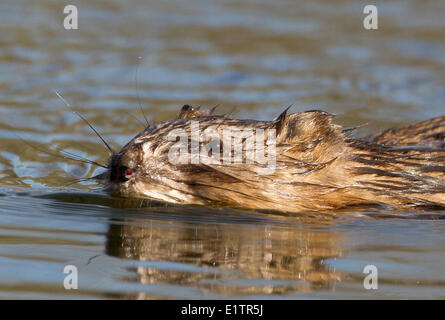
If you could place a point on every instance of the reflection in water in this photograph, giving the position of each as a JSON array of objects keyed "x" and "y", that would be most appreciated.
[
  {"x": 123, "y": 251},
  {"x": 231, "y": 260}
]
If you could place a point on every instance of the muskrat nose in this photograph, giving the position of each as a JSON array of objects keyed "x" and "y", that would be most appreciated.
[{"x": 121, "y": 174}]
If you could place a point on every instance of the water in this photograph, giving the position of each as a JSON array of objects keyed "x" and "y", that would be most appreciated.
[{"x": 254, "y": 57}]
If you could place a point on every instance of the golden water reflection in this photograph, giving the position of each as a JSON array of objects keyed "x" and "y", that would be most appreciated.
[{"x": 230, "y": 260}]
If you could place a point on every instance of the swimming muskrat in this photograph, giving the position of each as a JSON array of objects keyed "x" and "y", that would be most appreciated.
[{"x": 317, "y": 164}]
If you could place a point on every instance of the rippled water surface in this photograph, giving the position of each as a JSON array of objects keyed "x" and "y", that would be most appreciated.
[{"x": 253, "y": 57}]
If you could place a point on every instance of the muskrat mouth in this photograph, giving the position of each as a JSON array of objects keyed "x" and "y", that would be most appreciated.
[
  {"x": 128, "y": 173},
  {"x": 121, "y": 174}
]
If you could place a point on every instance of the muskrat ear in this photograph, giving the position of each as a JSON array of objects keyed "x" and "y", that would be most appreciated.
[
  {"x": 189, "y": 112},
  {"x": 280, "y": 120},
  {"x": 185, "y": 111},
  {"x": 304, "y": 126}
]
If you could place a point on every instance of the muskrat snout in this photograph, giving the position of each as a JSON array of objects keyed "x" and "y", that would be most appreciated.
[
  {"x": 121, "y": 174},
  {"x": 121, "y": 167}
]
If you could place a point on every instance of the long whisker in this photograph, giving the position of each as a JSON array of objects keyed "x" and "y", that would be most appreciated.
[
  {"x": 86, "y": 121},
  {"x": 212, "y": 111},
  {"x": 66, "y": 155},
  {"x": 100, "y": 178},
  {"x": 76, "y": 157},
  {"x": 74, "y": 181},
  {"x": 135, "y": 118},
  {"x": 137, "y": 92},
  {"x": 71, "y": 156},
  {"x": 225, "y": 115}
]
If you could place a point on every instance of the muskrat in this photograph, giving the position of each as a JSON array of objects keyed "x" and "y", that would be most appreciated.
[{"x": 317, "y": 165}]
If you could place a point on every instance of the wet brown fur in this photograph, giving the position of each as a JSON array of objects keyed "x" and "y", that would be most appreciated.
[{"x": 318, "y": 166}]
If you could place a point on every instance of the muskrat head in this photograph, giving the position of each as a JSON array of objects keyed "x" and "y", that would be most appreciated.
[{"x": 142, "y": 168}]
